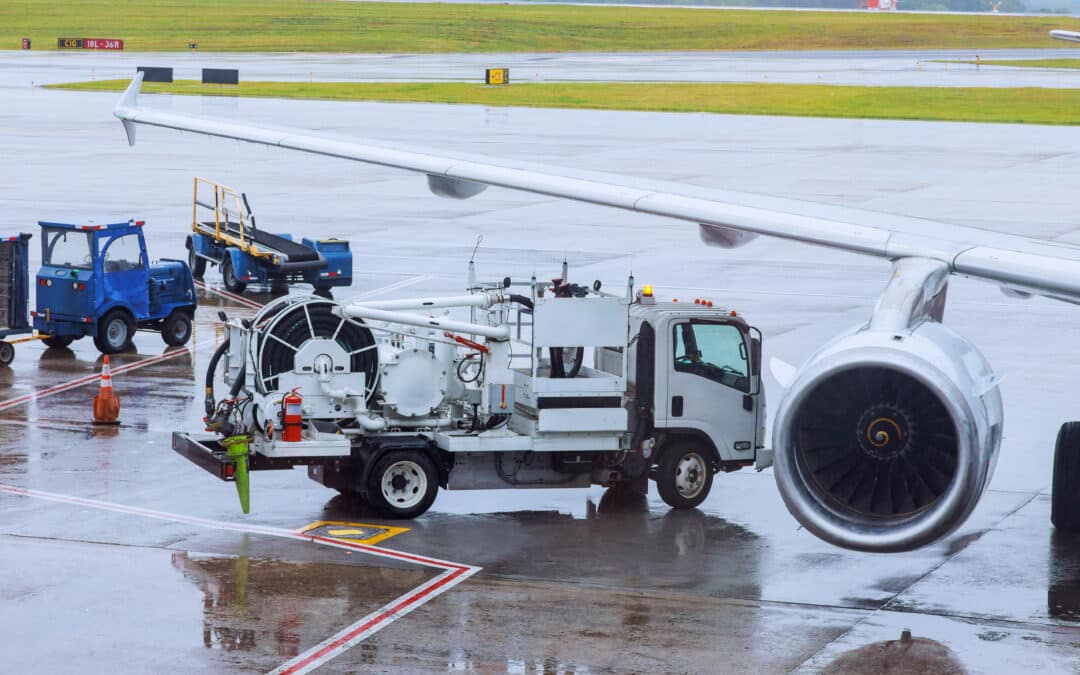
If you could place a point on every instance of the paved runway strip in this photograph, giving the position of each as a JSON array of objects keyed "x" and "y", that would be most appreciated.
[{"x": 453, "y": 574}]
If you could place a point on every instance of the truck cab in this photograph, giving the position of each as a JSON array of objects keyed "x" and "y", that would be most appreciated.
[
  {"x": 98, "y": 281},
  {"x": 695, "y": 377}
]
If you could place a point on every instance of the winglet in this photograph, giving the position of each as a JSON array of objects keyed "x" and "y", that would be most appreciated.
[{"x": 127, "y": 105}]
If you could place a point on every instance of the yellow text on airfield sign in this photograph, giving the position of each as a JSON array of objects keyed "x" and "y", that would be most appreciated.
[{"x": 497, "y": 76}]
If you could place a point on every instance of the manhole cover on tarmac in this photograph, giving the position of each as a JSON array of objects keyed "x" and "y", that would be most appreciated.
[{"x": 362, "y": 533}]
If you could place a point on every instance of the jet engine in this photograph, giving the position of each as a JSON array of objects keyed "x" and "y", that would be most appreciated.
[{"x": 887, "y": 437}]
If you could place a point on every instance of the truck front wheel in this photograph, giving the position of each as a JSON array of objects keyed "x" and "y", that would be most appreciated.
[
  {"x": 228, "y": 275},
  {"x": 114, "y": 332},
  {"x": 176, "y": 329},
  {"x": 403, "y": 484},
  {"x": 684, "y": 475}
]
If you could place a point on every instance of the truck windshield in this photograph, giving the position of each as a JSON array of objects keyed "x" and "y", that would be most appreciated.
[
  {"x": 65, "y": 248},
  {"x": 714, "y": 351}
]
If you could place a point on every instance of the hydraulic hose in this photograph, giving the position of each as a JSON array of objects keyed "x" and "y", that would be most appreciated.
[
  {"x": 209, "y": 404},
  {"x": 521, "y": 300}
]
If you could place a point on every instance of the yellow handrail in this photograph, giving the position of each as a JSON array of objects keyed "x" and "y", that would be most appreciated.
[{"x": 223, "y": 196}]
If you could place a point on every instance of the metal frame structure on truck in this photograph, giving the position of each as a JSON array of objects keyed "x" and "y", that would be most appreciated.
[{"x": 503, "y": 400}]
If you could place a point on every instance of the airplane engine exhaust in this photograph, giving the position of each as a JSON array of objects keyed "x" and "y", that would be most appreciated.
[{"x": 886, "y": 442}]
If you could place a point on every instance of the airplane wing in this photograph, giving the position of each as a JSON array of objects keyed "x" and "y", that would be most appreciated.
[{"x": 1022, "y": 266}]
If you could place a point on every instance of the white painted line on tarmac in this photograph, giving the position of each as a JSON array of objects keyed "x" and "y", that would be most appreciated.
[
  {"x": 453, "y": 574},
  {"x": 94, "y": 377},
  {"x": 394, "y": 286},
  {"x": 228, "y": 295}
]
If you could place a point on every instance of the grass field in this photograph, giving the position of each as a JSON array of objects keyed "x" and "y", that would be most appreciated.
[
  {"x": 1027, "y": 63},
  {"x": 332, "y": 26},
  {"x": 1031, "y": 106}
]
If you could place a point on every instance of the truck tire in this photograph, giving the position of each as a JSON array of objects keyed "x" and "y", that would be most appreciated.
[
  {"x": 1065, "y": 489},
  {"x": 176, "y": 328},
  {"x": 197, "y": 264},
  {"x": 403, "y": 484},
  {"x": 7, "y": 353},
  {"x": 114, "y": 333},
  {"x": 684, "y": 475},
  {"x": 228, "y": 275},
  {"x": 58, "y": 341}
]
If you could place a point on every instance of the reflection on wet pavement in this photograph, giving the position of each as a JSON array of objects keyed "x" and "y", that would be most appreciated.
[{"x": 277, "y": 608}]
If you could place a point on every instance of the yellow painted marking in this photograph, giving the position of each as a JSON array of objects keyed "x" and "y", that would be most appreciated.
[
  {"x": 344, "y": 529},
  {"x": 346, "y": 532}
]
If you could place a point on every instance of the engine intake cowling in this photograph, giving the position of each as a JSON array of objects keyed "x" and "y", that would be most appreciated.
[{"x": 885, "y": 441}]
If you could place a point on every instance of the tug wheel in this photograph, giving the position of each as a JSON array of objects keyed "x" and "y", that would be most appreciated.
[
  {"x": 228, "y": 275},
  {"x": 115, "y": 332},
  {"x": 403, "y": 484},
  {"x": 7, "y": 353},
  {"x": 176, "y": 329},
  {"x": 1065, "y": 491},
  {"x": 58, "y": 341},
  {"x": 197, "y": 264}
]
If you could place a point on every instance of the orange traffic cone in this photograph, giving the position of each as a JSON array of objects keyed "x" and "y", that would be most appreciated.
[{"x": 106, "y": 403}]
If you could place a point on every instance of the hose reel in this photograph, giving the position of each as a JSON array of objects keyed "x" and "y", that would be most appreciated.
[{"x": 285, "y": 327}]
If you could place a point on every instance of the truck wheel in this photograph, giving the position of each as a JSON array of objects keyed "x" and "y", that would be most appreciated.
[
  {"x": 58, "y": 341},
  {"x": 228, "y": 274},
  {"x": 176, "y": 329},
  {"x": 197, "y": 264},
  {"x": 115, "y": 332},
  {"x": 684, "y": 476},
  {"x": 403, "y": 484},
  {"x": 1065, "y": 491},
  {"x": 7, "y": 353}
]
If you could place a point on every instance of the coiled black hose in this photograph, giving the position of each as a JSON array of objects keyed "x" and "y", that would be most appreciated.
[{"x": 294, "y": 329}]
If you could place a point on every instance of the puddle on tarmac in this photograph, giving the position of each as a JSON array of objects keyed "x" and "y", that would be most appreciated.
[{"x": 277, "y": 608}]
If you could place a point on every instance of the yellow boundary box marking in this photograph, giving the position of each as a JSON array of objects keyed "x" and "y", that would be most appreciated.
[{"x": 385, "y": 531}]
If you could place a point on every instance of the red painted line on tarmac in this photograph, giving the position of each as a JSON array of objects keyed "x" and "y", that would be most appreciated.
[
  {"x": 454, "y": 573},
  {"x": 87, "y": 379},
  {"x": 227, "y": 294},
  {"x": 372, "y": 623}
]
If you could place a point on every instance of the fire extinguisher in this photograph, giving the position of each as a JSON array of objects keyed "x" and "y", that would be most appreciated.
[{"x": 291, "y": 416}]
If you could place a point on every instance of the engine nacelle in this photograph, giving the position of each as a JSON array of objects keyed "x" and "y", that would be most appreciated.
[{"x": 886, "y": 440}]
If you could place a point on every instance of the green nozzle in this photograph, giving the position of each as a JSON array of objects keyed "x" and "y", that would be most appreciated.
[{"x": 237, "y": 449}]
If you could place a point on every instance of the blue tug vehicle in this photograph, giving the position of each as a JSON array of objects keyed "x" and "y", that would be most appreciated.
[{"x": 98, "y": 281}]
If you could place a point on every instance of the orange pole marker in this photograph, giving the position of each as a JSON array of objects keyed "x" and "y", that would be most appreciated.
[{"x": 106, "y": 403}]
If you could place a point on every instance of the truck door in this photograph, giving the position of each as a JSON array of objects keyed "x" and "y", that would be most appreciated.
[
  {"x": 710, "y": 385},
  {"x": 126, "y": 273}
]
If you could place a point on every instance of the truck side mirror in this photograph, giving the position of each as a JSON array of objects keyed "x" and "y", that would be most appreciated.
[{"x": 755, "y": 356}]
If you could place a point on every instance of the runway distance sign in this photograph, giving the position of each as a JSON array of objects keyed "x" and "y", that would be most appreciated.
[{"x": 89, "y": 43}]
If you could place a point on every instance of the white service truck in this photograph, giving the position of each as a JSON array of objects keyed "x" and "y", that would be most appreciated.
[{"x": 541, "y": 385}]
